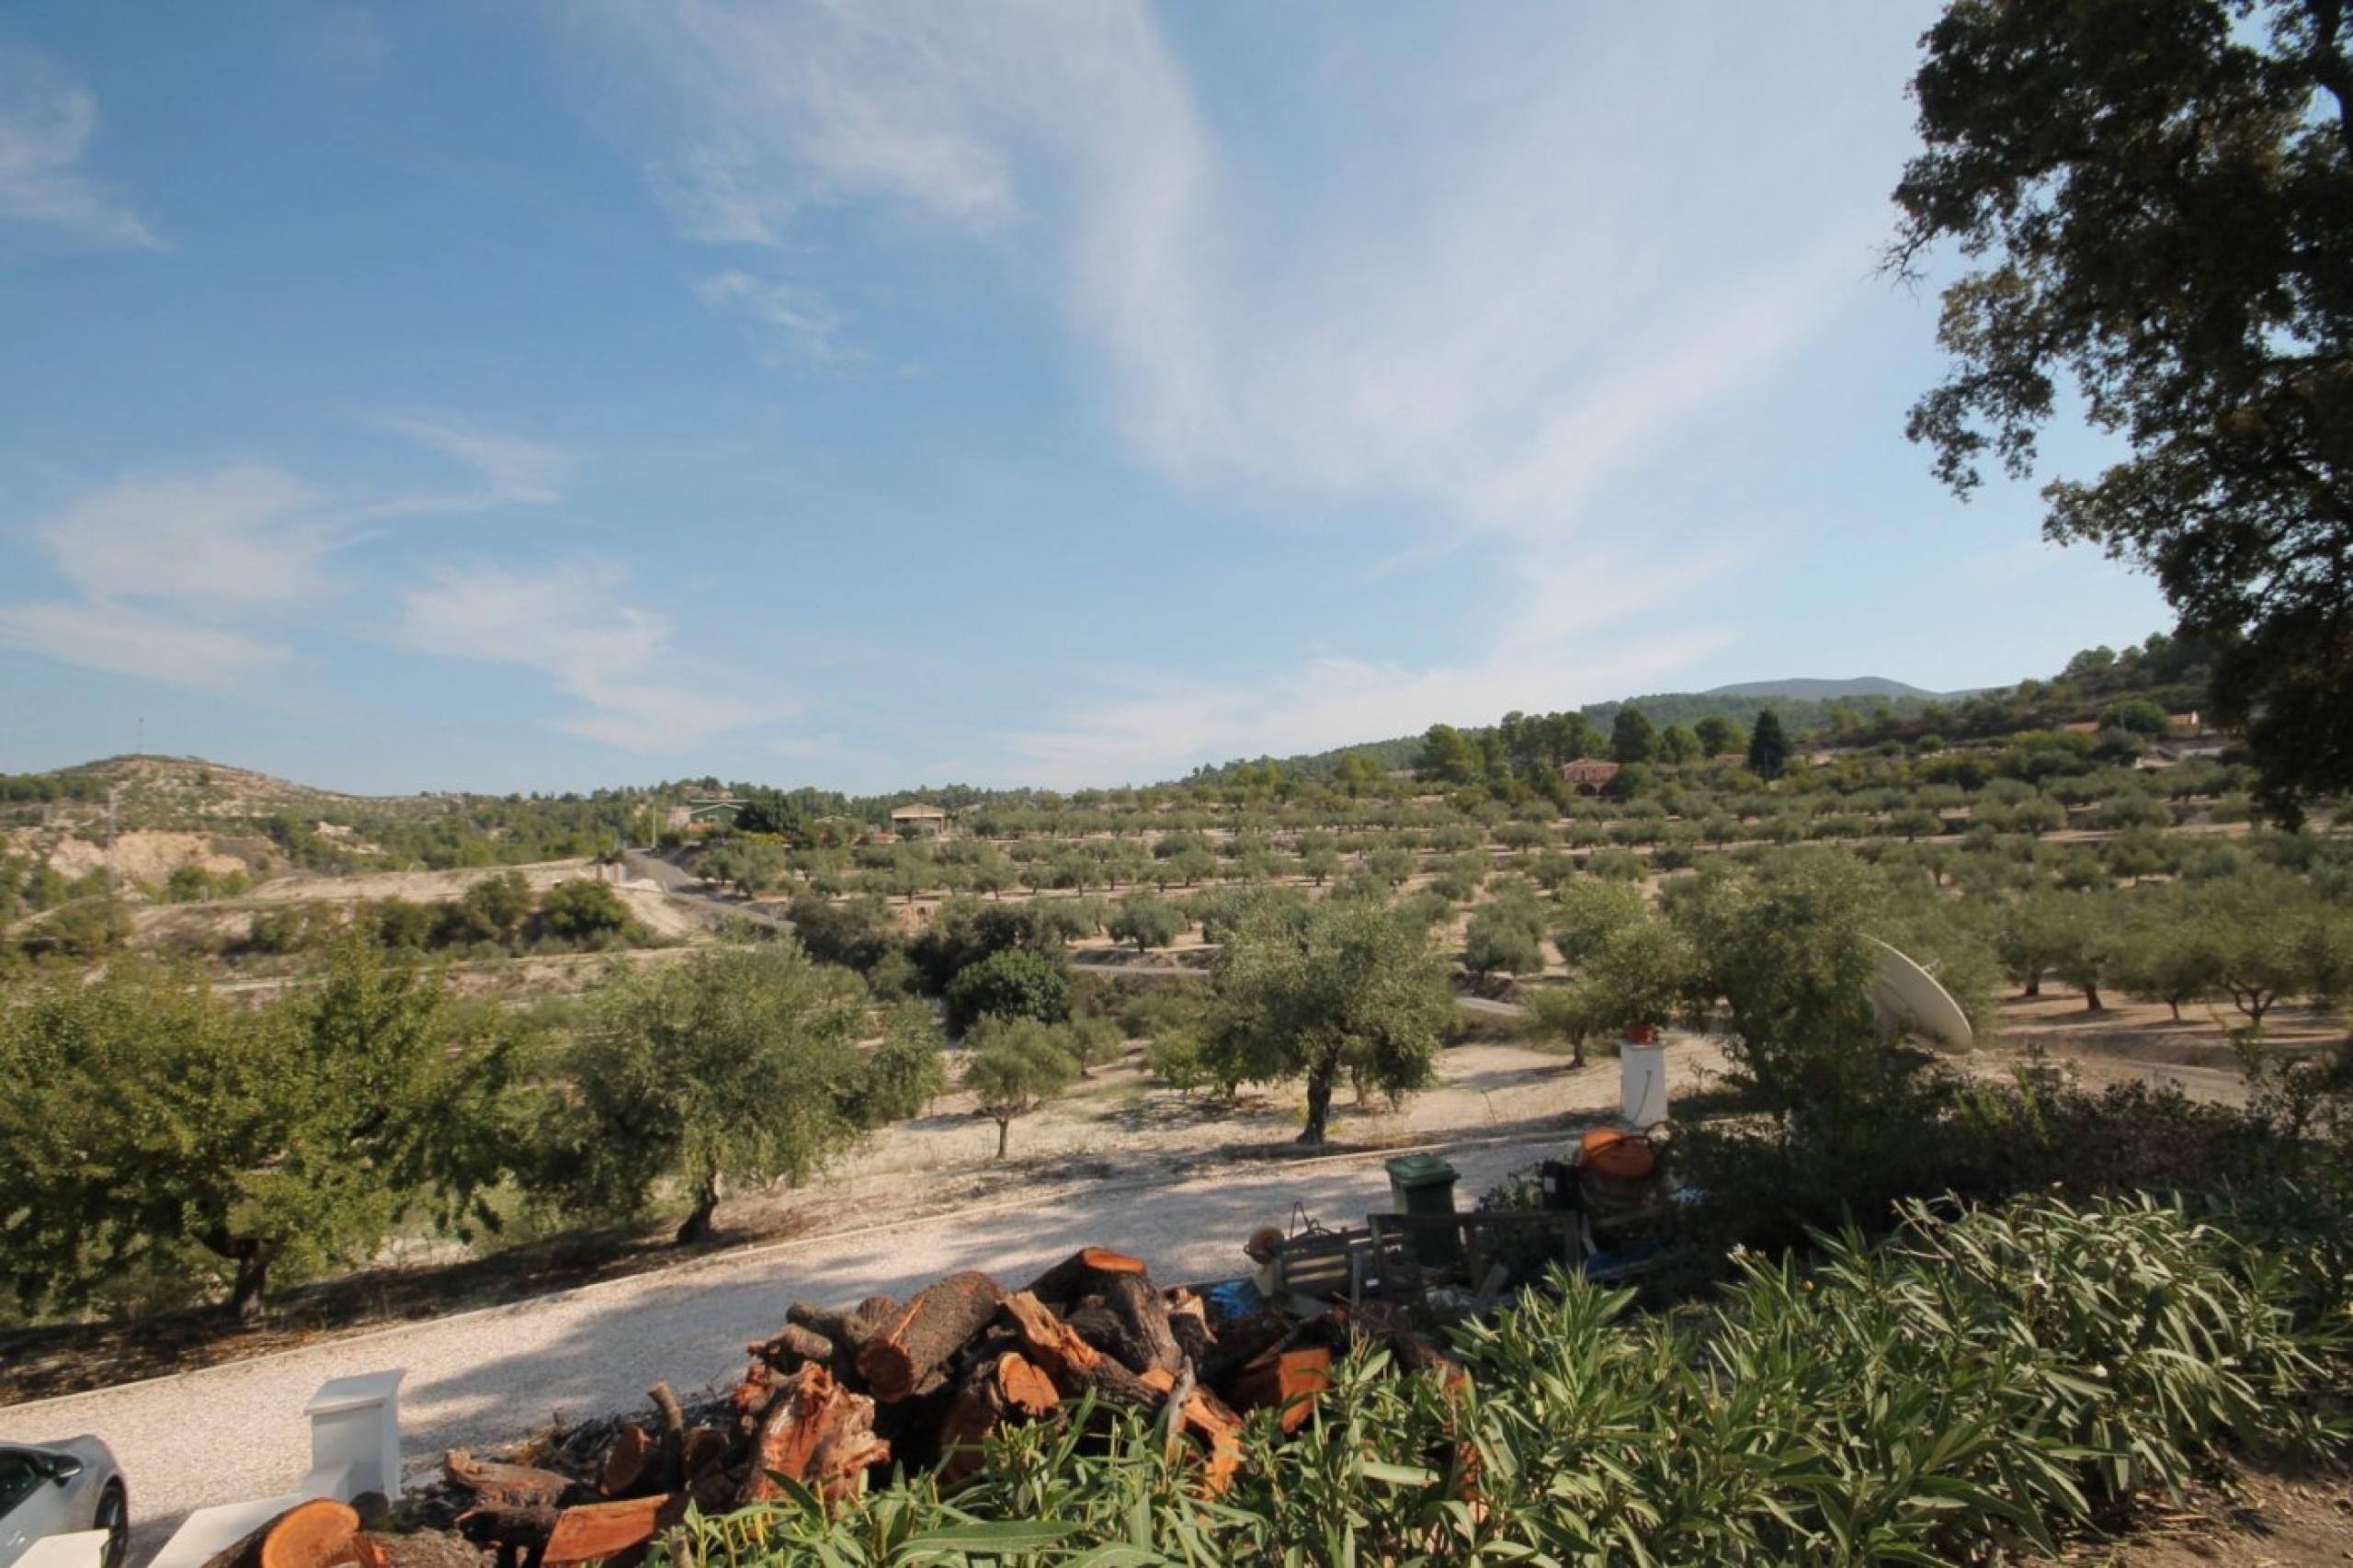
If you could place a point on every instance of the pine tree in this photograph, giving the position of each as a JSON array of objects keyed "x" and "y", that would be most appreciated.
[
  {"x": 1632, "y": 737},
  {"x": 1768, "y": 748}
]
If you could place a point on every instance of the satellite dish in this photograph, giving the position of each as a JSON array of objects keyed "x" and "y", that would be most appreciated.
[{"x": 1907, "y": 997}]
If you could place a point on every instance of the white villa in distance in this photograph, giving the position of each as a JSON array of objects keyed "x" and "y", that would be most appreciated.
[{"x": 918, "y": 821}]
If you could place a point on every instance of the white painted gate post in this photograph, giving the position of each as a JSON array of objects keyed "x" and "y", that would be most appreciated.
[{"x": 356, "y": 1436}]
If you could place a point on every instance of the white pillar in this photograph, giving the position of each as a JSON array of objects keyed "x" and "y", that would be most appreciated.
[
  {"x": 356, "y": 1436},
  {"x": 1642, "y": 1083}
]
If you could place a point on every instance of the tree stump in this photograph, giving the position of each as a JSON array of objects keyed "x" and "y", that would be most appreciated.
[
  {"x": 932, "y": 1328},
  {"x": 1082, "y": 1273}
]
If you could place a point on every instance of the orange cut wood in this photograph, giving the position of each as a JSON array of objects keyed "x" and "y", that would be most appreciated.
[
  {"x": 318, "y": 1533},
  {"x": 816, "y": 1432},
  {"x": 1081, "y": 1272},
  {"x": 513, "y": 1486},
  {"x": 1051, "y": 1342},
  {"x": 596, "y": 1531},
  {"x": 1025, "y": 1385},
  {"x": 626, "y": 1461},
  {"x": 931, "y": 1328},
  {"x": 1300, "y": 1375}
]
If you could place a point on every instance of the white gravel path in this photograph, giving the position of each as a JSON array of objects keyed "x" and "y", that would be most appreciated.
[{"x": 236, "y": 1431}]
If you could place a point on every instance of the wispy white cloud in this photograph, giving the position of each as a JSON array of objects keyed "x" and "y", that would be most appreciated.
[
  {"x": 1586, "y": 621},
  {"x": 807, "y": 325},
  {"x": 1491, "y": 317},
  {"x": 615, "y": 659},
  {"x": 1167, "y": 724},
  {"x": 189, "y": 578},
  {"x": 509, "y": 470},
  {"x": 47, "y": 117},
  {"x": 233, "y": 540},
  {"x": 135, "y": 640},
  {"x": 174, "y": 571}
]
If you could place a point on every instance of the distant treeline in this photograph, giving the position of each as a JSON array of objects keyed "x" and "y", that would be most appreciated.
[{"x": 2170, "y": 670}]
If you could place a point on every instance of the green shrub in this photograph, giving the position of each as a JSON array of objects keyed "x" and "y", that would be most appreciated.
[
  {"x": 1982, "y": 1381},
  {"x": 1012, "y": 983},
  {"x": 903, "y": 1075}
]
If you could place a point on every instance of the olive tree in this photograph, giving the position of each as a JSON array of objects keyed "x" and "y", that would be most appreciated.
[
  {"x": 1323, "y": 991},
  {"x": 1147, "y": 921},
  {"x": 737, "y": 1066},
  {"x": 1016, "y": 1065},
  {"x": 155, "y": 1130}
]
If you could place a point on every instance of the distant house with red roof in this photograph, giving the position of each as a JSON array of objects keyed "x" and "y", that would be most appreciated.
[{"x": 1589, "y": 775}]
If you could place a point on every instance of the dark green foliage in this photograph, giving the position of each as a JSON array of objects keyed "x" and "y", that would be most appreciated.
[
  {"x": 1768, "y": 747},
  {"x": 736, "y": 1064},
  {"x": 854, "y": 932},
  {"x": 1787, "y": 946},
  {"x": 1505, "y": 935},
  {"x": 1017, "y": 1063},
  {"x": 903, "y": 1074},
  {"x": 2137, "y": 714},
  {"x": 586, "y": 912},
  {"x": 1632, "y": 737},
  {"x": 494, "y": 909},
  {"x": 1011, "y": 982},
  {"x": 1342, "y": 989},
  {"x": 1719, "y": 735},
  {"x": 2157, "y": 196},
  {"x": 1985, "y": 1380},
  {"x": 155, "y": 1133},
  {"x": 85, "y": 929}
]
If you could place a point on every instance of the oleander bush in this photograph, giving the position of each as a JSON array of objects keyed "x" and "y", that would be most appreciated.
[{"x": 1978, "y": 1380}]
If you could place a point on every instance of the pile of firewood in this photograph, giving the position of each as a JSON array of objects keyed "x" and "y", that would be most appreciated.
[{"x": 839, "y": 1396}]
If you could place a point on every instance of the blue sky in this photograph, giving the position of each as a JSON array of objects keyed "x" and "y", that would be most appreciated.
[{"x": 530, "y": 396}]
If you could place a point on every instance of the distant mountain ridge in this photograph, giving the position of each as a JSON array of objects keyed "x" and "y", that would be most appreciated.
[{"x": 1808, "y": 689}]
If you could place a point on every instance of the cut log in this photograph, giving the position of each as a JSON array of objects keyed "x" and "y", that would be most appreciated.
[
  {"x": 318, "y": 1533},
  {"x": 993, "y": 1388},
  {"x": 598, "y": 1531},
  {"x": 670, "y": 1470},
  {"x": 1050, "y": 1342},
  {"x": 977, "y": 1410},
  {"x": 1241, "y": 1341},
  {"x": 1091, "y": 1319},
  {"x": 816, "y": 1432},
  {"x": 425, "y": 1549},
  {"x": 503, "y": 1485},
  {"x": 1074, "y": 1365},
  {"x": 1188, "y": 1324},
  {"x": 933, "y": 1327},
  {"x": 1301, "y": 1376},
  {"x": 793, "y": 1346},
  {"x": 1025, "y": 1385},
  {"x": 626, "y": 1462},
  {"x": 1207, "y": 1417},
  {"x": 1082, "y": 1273},
  {"x": 1144, "y": 1337},
  {"x": 848, "y": 1328},
  {"x": 706, "y": 1446}
]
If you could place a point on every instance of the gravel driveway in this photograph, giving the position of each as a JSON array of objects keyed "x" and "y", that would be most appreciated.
[{"x": 237, "y": 1431}]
